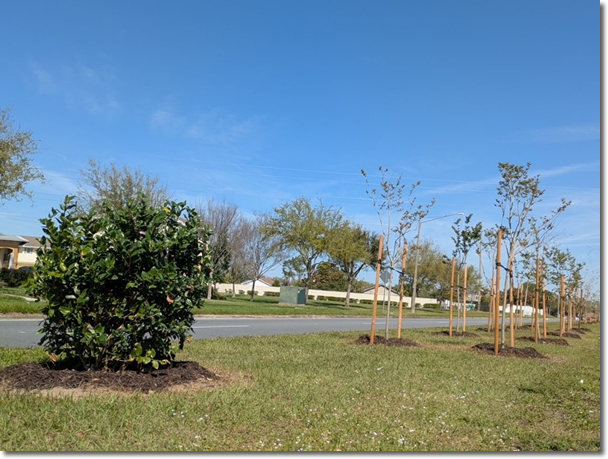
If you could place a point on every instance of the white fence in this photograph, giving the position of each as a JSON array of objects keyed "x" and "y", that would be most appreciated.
[{"x": 261, "y": 289}]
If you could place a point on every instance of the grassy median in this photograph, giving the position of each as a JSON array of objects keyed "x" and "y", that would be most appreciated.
[
  {"x": 13, "y": 301},
  {"x": 323, "y": 392}
]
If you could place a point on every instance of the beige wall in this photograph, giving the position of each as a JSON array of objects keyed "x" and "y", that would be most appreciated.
[
  {"x": 355, "y": 297},
  {"x": 27, "y": 256}
]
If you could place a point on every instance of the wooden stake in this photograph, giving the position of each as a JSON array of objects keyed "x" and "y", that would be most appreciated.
[
  {"x": 452, "y": 295},
  {"x": 497, "y": 298},
  {"x": 375, "y": 307},
  {"x": 403, "y": 261}
]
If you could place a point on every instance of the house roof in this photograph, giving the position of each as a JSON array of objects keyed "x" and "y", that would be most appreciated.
[
  {"x": 32, "y": 241},
  {"x": 13, "y": 238},
  {"x": 23, "y": 241},
  {"x": 264, "y": 280}
]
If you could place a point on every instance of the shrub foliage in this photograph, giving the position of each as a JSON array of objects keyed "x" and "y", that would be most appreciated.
[
  {"x": 120, "y": 283},
  {"x": 13, "y": 277}
]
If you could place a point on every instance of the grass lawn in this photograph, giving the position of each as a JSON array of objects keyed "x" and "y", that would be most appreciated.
[
  {"x": 241, "y": 305},
  {"x": 322, "y": 392}
]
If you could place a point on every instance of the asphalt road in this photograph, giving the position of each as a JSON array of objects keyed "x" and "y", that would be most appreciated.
[{"x": 24, "y": 332}]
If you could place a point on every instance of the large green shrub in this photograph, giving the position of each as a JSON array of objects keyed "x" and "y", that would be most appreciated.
[
  {"x": 120, "y": 283},
  {"x": 14, "y": 277}
]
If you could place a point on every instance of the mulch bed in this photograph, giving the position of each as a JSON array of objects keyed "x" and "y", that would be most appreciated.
[
  {"x": 556, "y": 341},
  {"x": 521, "y": 352},
  {"x": 457, "y": 334},
  {"x": 565, "y": 334},
  {"x": 365, "y": 339},
  {"x": 42, "y": 376}
]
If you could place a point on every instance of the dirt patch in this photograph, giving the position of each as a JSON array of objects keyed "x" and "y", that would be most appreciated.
[
  {"x": 556, "y": 341},
  {"x": 565, "y": 334},
  {"x": 44, "y": 378},
  {"x": 365, "y": 339},
  {"x": 457, "y": 334},
  {"x": 523, "y": 352}
]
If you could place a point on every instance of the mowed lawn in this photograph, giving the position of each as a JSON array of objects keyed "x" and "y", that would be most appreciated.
[{"x": 323, "y": 392}]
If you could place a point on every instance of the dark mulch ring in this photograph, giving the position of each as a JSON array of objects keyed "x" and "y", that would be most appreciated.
[
  {"x": 457, "y": 334},
  {"x": 569, "y": 334},
  {"x": 365, "y": 339},
  {"x": 556, "y": 341},
  {"x": 575, "y": 332},
  {"x": 42, "y": 376},
  {"x": 526, "y": 352},
  {"x": 522, "y": 352}
]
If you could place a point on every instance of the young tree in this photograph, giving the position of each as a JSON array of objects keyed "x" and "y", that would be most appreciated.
[
  {"x": 397, "y": 211},
  {"x": 574, "y": 281},
  {"x": 305, "y": 230},
  {"x": 120, "y": 283},
  {"x": 465, "y": 238},
  {"x": 352, "y": 250},
  {"x": 117, "y": 186},
  {"x": 16, "y": 167},
  {"x": 518, "y": 194}
]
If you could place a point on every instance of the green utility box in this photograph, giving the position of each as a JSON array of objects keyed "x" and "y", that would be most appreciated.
[{"x": 292, "y": 295}]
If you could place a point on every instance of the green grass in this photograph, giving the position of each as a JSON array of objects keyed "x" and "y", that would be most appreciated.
[
  {"x": 241, "y": 305},
  {"x": 13, "y": 300},
  {"x": 322, "y": 392}
]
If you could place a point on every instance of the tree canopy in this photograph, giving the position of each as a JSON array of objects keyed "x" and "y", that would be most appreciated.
[
  {"x": 117, "y": 185},
  {"x": 16, "y": 167},
  {"x": 305, "y": 230}
]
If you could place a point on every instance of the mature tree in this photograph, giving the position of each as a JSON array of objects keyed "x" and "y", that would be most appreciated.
[
  {"x": 518, "y": 194},
  {"x": 294, "y": 271},
  {"x": 304, "y": 230},
  {"x": 236, "y": 272},
  {"x": 352, "y": 250},
  {"x": 16, "y": 167},
  {"x": 465, "y": 237},
  {"x": 329, "y": 276},
  {"x": 397, "y": 211},
  {"x": 260, "y": 252},
  {"x": 222, "y": 218},
  {"x": 434, "y": 272},
  {"x": 117, "y": 186},
  {"x": 120, "y": 283}
]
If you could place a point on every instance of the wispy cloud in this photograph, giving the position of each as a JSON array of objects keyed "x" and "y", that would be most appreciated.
[
  {"x": 82, "y": 87},
  {"x": 56, "y": 185},
  {"x": 211, "y": 128},
  {"x": 216, "y": 128},
  {"x": 482, "y": 184},
  {"x": 166, "y": 121},
  {"x": 558, "y": 134},
  {"x": 567, "y": 169},
  {"x": 44, "y": 80}
]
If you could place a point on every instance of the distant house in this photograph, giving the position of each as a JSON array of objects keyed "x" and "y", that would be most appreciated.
[
  {"x": 527, "y": 311},
  {"x": 261, "y": 281},
  {"x": 17, "y": 251},
  {"x": 382, "y": 290}
]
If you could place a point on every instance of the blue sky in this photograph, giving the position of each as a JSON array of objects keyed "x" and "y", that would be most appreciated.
[{"x": 258, "y": 102}]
